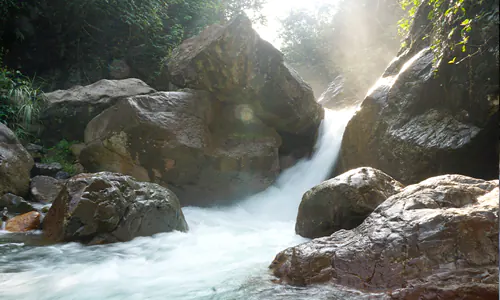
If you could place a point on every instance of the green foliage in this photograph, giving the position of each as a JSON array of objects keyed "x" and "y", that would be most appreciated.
[
  {"x": 61, "y": 153},
  {"x": 450, "y": 22},
  {"x": 75, "y": 42},
  {"x": 20, "y": 102},
  {"x": 355, "y": 38}
]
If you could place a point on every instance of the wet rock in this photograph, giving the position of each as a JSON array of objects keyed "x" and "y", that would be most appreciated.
[
  {"x": 425, "y": 117},
  {"x": 69, "y": 111},
  {"x": 15, "y": 204},
  {"x": 36, "y": 151},
  {"x": 203, "y": 150},
  {"x": 343, "y": 202},
  {"x": 340, "y": 95},
  {"x": 25, "y": 222},
  {"x": 15, "y": 164},
  {"x": 44, "y": 189},
  {"x": 62, "y": 175},
  {"x": 46, "y": 169},
  {"x": 235, "y": 65},
  {"x": 107, "y": 207},
  {"x": 439, "y": 235}
]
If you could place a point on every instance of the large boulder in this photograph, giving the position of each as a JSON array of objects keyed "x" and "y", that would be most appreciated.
[
  {"x": 203, "y": 150},
  {"x": 427, "y": 116},
  {"x": 439, "y": 235},
  {"x": 68, "y": 111},
  {"x": 235, "y": 65},
  {"x": 343, "y": 202},
  {"x": 107, "y": 207},
  {"x": 15, "y": 164}
]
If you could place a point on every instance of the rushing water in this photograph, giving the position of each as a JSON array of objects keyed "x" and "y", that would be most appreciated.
[{"x": 225, "y": 254}]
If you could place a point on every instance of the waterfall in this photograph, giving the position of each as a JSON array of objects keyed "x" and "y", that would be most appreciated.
[{"x": 225, "y": 254}]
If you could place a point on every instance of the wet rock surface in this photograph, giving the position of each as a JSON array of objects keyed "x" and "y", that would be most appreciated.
[
  {"x": 46, "y": 169},
  {"x": 69, "y": 111},
  {"x": 25, "y": 222},
  {"x": 438, "y": 237},
  {"x": 236, "y": 66},
  {"x": 15, "y": 204},
  {"x": 44, "y": 189},
  {"x": 15, "y": 164},
  {"x": 427, "y": 117},
  {"x": 204, "y": 151},
  {"x": 343, "y": 202},
  {"x": 107, "y": 207}
]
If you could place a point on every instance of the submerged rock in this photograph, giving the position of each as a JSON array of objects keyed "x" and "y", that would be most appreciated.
[
  {"x": 44, "y": 189},
  {"x": 15, "y": 204},
  {"x": 15, "y": 164},
  {"x": 440, "y": 235},
  {"x": 69, "y": 111},
  {"x": 204, "y": 151},
  {"x": 106, "y": 207},
  {"x": 25, "y": 222},
  {"x": 236, "y": 66},
  {"x": 343, "y": 202}
]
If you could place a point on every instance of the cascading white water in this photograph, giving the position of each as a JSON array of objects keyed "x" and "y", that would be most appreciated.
[{"x": 225, "y": 254}]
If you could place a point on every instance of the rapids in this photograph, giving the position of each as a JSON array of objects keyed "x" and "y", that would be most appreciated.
[{"x": 225, "y": 254}]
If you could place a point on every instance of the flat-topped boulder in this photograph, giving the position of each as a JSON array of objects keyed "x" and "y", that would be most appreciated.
[{"x": 68, "y": 111}]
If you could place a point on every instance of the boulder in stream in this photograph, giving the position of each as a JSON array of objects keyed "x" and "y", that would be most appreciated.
[
  {"x": 343, "y": 202},
  {"x": 438, "y": 237},
  {"x": 25, "y": 222},
  {"x": 44, "y": 189},
  {"x": 108, "y": 207}
]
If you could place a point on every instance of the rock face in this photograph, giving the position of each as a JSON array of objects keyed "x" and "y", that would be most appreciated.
[
  {"x": 426, "y": 118},
  {"x": 236, "y": 66},
  {"x": 107, "y": 207},
  {"x": 343, "y": 202},
  {"x": 15, "y": 204},
  {"x": 15, "y": 164},
  {"x": 25, "y": 222},
  {"x": 340, "y": 95},
  {"x": 439, "y": 236},
  {"x": 44, "y": 189},
  {"x": 202, "y": 150},
  {"x": 69, "y": 111}
]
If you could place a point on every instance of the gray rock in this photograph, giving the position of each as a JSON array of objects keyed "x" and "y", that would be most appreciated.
[
  {"x": 69, "y": 111},
  {"x": 36, "y": 151},
  {"x": 107, "y": 207},
  {"x": 236, "y": 66},
  {"x": 44, "y": 189},
  {"x": 15, "y": 164},
  {"x": 198, "y": 148},
  {"x": 439, "y": 235},
  {"x": 15, "y": 204},
  {"x": 46, "y": 169},
  {"x": 343, "y": 202}
]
